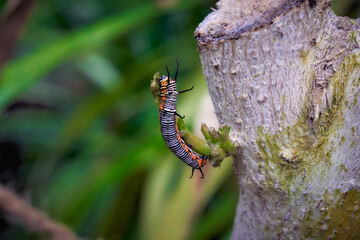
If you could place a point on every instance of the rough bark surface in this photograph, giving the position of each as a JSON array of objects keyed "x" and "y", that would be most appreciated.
[{"x": 285, "y": 75}]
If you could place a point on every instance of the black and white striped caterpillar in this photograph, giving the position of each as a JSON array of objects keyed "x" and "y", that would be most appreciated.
[{"x": 169, "y": 131}]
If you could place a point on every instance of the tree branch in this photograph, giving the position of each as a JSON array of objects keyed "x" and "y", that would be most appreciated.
[{"x": 18, "y": 211}]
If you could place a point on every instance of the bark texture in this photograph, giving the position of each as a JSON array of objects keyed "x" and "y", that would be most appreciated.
[{"x": 285, "y": 75}]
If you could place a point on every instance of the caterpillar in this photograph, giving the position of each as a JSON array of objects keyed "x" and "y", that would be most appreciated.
[{"x": 169, "y": 131}]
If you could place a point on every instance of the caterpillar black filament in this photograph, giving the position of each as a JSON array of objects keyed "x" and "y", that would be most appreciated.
[{"x": 169, "y": 131}]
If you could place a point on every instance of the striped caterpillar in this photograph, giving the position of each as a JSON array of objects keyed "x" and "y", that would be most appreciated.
[{"x": 169, "y": 131}]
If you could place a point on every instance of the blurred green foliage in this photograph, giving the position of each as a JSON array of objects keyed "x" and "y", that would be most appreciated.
[
  {"x": 80, "y": 130},
  {"x": 350, "y": 8},
  {"x": 77, "y": 107}
]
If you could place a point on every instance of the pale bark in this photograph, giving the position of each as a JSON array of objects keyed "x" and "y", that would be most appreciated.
[{"x": 285, "y": 75}]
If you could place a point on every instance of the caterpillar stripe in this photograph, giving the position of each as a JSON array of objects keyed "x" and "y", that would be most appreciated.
[{"x": 169, "y": 130}]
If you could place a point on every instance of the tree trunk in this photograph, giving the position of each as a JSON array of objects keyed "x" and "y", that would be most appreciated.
[{"x": 285, "y": 75}]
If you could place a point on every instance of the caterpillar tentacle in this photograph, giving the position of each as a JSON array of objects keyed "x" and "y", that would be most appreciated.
[
  {"x": 186, "y": 90},
  {"x": 182, "y": 117}
]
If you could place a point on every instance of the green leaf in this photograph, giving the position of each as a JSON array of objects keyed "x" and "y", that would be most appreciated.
[{"x": 21, "y": 74}]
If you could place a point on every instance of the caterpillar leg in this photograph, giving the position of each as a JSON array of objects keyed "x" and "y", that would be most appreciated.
[
  {"x": 182, "y": 117},
  {"x": 192, "y": 172},
  {"x": 186, "y": 90},
  {"x": 202, "y": 175}
]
